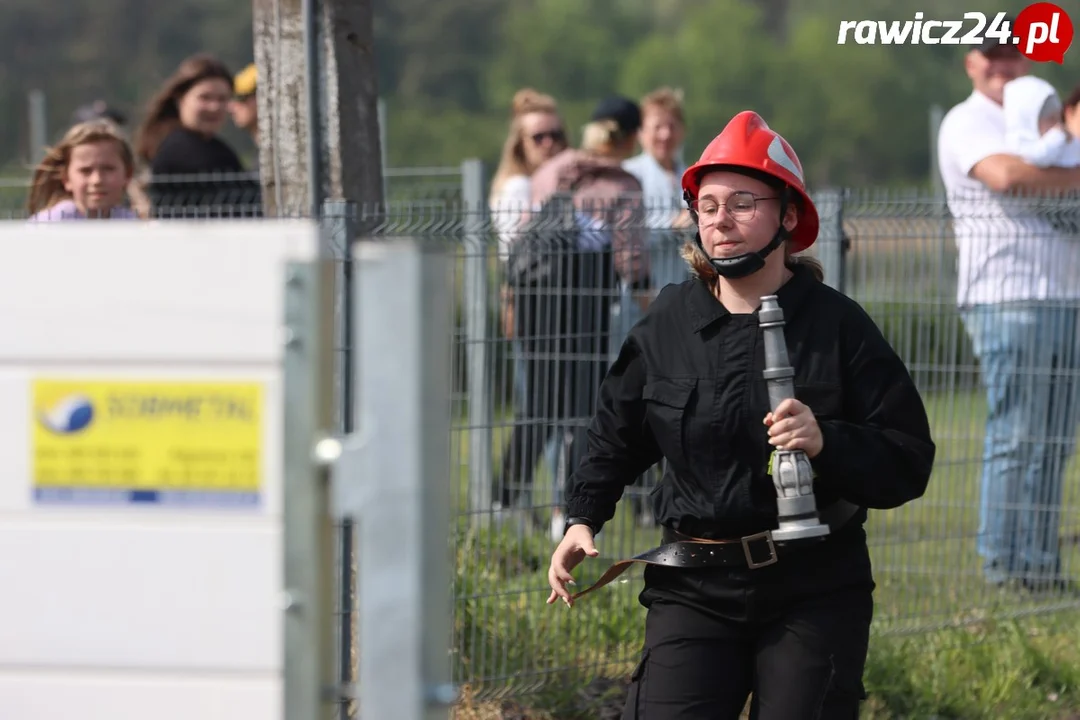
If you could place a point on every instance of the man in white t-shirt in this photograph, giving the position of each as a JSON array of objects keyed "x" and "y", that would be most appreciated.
[
  {"x": 1018, "y": 288},
  {"x": 659, "y": 169}
]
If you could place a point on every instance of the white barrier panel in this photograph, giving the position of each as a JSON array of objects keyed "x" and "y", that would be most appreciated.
[{"x": 141, "y": 417}]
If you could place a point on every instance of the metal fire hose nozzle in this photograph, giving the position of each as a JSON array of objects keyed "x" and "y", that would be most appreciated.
[{"x": 793, "y": 477}]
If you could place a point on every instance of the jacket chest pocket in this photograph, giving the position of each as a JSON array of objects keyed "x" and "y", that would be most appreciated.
[{"x": 666, "y": 403}]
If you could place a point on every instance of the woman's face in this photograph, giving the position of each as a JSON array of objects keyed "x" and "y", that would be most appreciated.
[
  {"x": 204, "y": 106},
  {"x": 738, "y": 214},
  {"x": 542, "y": 137}
]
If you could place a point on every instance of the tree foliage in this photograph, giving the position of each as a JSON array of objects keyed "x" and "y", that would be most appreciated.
[{"x": 855, "y": 113}]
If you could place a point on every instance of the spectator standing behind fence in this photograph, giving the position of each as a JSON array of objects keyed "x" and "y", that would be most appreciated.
[
  {"x": 787, "y": 621},
  {"x": 595, "y": 176},
  {"x": 101, "y": 110},
  {"x": 562, "y": 270},
  {"x": 536, "y": 134},
  {"x": 1017, "y": 292},
  {"x": 660, "y": 168},
  {"x": 84, "y": 176},
  {"x": 193, "y": 171},
  {"x": 244, "y": 107}
]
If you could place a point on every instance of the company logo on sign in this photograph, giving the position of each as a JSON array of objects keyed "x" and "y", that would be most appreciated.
[
  {"x": 147, "y": 442},
  {"x": 67, "y": 416}
]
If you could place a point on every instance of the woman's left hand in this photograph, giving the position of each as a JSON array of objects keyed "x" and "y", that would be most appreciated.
[{"x": 794, "y": 427}]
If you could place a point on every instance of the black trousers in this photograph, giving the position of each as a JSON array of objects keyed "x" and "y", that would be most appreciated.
[{"x": 794, "y": 634}]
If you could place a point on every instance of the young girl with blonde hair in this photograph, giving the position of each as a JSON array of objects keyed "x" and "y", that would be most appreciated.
[{"x": 84, "y": 176}]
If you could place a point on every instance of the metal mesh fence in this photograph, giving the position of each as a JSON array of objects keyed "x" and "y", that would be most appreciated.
[
  {"x": 525, "y": 371},
  {"x": 898, "y": 257},
  {"x": 238, "y": 195}
]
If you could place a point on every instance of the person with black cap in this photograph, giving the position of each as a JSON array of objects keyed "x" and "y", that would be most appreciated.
[{"x": 1019, "y": 299}]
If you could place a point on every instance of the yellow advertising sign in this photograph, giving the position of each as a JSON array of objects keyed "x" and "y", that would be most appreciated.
[{"x": 176, "y": 443}]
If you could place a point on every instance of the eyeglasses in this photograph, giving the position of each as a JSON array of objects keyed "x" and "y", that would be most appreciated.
[
  {"x": 556, "y": 136},
  {"x": 742, "y": 206}
]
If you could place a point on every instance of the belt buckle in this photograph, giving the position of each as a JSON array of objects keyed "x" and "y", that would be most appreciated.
[{"x": 767, "y": 537}]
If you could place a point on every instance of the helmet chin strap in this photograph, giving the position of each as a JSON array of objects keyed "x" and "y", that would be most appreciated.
[{"x": 746, "y": 264}]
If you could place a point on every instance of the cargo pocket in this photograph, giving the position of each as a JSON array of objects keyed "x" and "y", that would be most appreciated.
[
  {"x": 665, "y": 410},
  {"x": 635, "y": 695}
]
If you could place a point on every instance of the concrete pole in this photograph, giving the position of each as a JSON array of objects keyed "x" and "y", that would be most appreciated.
[
  {"x": 351, "y": 92},
  {"x": 345, "y": 96},
  {"x": 282, "y": 106},
  {"x": 319, "y": 141}
]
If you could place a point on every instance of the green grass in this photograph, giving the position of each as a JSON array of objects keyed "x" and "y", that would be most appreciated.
[
  {"x": 1015, "y": 669},
  {"x": 943, "y": 644}
]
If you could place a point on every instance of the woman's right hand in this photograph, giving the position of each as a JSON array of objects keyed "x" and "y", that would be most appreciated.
[{"x": 575, "y": 546}]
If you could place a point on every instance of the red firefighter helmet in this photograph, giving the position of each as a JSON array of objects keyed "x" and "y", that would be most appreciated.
[{"x": 748, "y": 143}]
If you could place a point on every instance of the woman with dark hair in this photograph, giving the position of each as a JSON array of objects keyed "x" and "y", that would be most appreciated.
[{"x": 191, "y": 167}]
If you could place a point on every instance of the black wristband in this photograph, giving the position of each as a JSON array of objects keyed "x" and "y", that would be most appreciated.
[{"x": 570, "y": 522}]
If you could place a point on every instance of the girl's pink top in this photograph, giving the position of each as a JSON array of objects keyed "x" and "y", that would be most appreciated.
[{"x": 67, "y": 210}]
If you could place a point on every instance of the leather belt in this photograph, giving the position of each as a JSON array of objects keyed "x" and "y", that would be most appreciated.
[{"x": 752, "y": 551}]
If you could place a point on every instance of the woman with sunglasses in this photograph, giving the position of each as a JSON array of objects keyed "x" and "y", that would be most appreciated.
[
  {"x": 536, "y": 134},
  {"x": 733, "y": 612}
]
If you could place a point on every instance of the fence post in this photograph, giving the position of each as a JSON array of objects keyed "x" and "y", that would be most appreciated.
[
  {"x": 306, "y": 503},
  {"x": 476, "y": 308},
  {"x": 380, "y": 109},
  {"x": 394, "y": 479},
  {"x": 39, "y": 125},
  {"x": 832, "y": 242},
  {"x": 339, "y": 230}
]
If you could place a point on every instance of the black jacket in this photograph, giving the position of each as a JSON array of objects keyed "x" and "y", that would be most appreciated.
[
  {"x": 688, "y": 386},
  {"x": 195, "y": 176},
  {"x": 563, "y": 293}
]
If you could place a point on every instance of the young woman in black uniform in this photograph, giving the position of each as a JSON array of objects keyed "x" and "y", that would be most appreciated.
[{"x": 787, "y": 622}]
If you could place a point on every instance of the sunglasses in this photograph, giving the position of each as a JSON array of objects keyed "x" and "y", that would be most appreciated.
[{"x": 556, "y": 136}]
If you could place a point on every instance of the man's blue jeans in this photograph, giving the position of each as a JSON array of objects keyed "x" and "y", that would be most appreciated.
[{"x": 1029, "y": 355}]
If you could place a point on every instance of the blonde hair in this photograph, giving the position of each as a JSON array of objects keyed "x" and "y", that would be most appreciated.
[
  {"x": 47, "y": 184},
  {"x": 512, "y": 161},
  {"x": 701, "y": 268},
  {"x": 602, "y": 136},
  {"x": 666, "y": 99}
]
